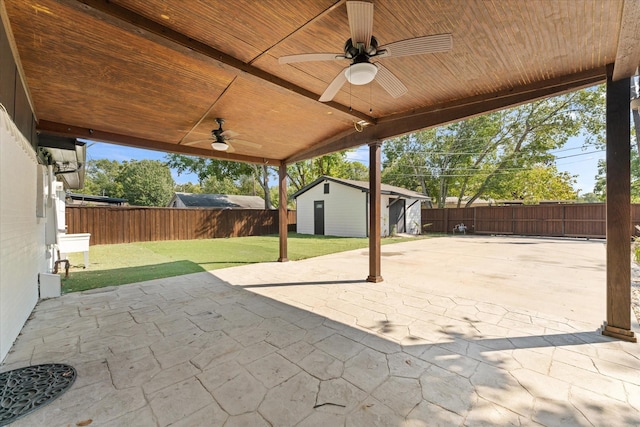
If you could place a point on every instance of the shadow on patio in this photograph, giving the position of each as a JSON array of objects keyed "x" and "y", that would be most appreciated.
[
  {"x": 284, "y": 344},
  {"x": 194, "y": 350}
]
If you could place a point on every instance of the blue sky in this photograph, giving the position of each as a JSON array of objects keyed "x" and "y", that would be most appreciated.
[{"x": 572, "y": 159}]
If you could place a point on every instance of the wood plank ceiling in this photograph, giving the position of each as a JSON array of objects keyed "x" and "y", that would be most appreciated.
[{"x": 156, "y": 74}]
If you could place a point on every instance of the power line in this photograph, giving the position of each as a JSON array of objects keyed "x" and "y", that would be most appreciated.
[{"x": 580, "y": 154}]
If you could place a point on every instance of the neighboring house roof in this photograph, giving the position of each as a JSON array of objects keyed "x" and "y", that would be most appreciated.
[
  {"x": 75, "y": 197},
  {"x": 220, "y": 201},
  {"x": 364, "y": 186}
]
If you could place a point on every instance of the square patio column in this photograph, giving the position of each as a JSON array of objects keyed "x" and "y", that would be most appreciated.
[
  {"x": 283, "y": 216},
  {"x": 374, "y": 212},
  {"x": 618, "y": 323}
]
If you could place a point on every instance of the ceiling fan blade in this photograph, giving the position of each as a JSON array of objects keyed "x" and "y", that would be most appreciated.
[
  {"x": 197, "y": 141},
  {"x": 229, "y": 134},
  {"x": 360, "y": 15},
  {"x": 334, "y": 86},
  {"x": 389, "y": 81},
  {"x": 247, "y": 143},
  {"x": 308, "y": 57},
  {"x": 230, "y": 149},
  {"x": 419, "y": 45}
]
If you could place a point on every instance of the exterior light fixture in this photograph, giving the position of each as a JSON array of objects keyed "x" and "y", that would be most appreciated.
[
  {"x": 361, "y": 73},
  {"x": 220, "y": 146}
]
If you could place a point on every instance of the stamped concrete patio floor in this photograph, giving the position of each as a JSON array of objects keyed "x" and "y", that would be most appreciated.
[{"x": 463, "y": 331}]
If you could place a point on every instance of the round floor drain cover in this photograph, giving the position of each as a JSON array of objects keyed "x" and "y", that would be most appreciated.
[{"x": 26, "y": 389}]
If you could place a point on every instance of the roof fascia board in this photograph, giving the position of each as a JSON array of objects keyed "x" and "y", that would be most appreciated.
[
  {"x": 628, "y": 51},
  {"x": 60, "y": 129}
]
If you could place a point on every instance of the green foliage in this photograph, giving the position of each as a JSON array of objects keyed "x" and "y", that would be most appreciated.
[
  {"x": 188, "y": 187},
  {"x": 600, "y": 188},
  {"x": 588, "y": 198},
  {"x": 146, "y": 182},
  {"x": 142, "y": 183},
  {"x": 535, "y": 184},
  {"x": 486, "y": 155},
  {"x": 101, "y": 178},
  {"x": 335, "y": 165}
]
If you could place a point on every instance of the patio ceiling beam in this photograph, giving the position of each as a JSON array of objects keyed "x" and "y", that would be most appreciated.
[
  {"x": 61, "y": 129},
  {"x": 452, "y": 111},
  {"x": 628, "y": 52},
  {"x": 159, "y": 33}
]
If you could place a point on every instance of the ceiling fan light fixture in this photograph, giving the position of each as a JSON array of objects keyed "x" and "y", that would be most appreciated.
[
  {"x": 220, "y": 146},
  {"x": 361, "y": 73}
]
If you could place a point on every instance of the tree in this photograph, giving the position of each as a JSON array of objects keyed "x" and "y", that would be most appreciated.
[
  {"x": 481, "y": 156},
  {"x": 588, "y": 198},
  {"x": 600, "y": 187},
  {"x": 188, "y": 187},
  {"x": 335, "y": 165},
  {"x": 536, "y": 184},
  {"x": 101, "y": 178},
  {"x": 146, "y": 182}
]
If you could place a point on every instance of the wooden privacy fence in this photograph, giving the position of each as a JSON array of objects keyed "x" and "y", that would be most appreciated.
[
  {"x": 578, "y": 220},
  {"x": 127, "y": 224}
]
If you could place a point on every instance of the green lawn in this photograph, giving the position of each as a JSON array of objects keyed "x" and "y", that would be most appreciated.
[{"x": 112, "y": 265}]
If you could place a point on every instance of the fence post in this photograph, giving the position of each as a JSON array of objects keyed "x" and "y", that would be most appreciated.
[
  {"x": 446, "y": 220},
  {"x": 473, "y": 226}
]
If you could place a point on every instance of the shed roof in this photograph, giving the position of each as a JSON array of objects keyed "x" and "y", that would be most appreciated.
[
  {"x": 220, "y": 201},
  {"x": 157, "y": 73},
  {"x": 96, "y": 199},
  {"x": 364, "y": 186}
]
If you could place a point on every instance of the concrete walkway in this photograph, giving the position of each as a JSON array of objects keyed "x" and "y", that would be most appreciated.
[{"x": 463, "y": 331}]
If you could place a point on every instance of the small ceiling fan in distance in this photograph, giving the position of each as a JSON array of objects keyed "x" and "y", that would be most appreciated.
[
  {"x": 362, "y": 47},
  {"x": 220, "y": 139}
]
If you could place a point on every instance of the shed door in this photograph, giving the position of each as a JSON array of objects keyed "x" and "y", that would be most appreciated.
[
  {"x": 397, "y": 216},
  {"x": 318, "y": 217}
]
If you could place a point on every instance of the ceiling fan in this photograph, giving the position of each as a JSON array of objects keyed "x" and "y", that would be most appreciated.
[
  {"x": 220, "y": 139},
  {"x": 363, "y": 46}
]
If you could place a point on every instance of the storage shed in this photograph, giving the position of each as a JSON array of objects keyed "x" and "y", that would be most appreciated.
[{"x": 340, "y": 207}]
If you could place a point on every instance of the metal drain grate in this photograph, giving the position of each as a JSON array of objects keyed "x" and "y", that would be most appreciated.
[{"x": 26, "y": 389}]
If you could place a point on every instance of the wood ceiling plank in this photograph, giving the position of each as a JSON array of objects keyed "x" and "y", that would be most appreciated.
[
  {"x": 97, "y": 73},
  {"x": 286, "y": 124},
  {"x": 496, "y": 46},
  {"x": 452, "y": 111},
  {"x": 61, "y": 129},
  {"x": 257, "y": 25},
  {"x": 225, "y": 61},
  {"x": 628, "y": 52}
]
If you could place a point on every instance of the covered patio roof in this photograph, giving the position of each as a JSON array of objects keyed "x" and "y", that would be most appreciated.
[{"x": 156, "y": 74}]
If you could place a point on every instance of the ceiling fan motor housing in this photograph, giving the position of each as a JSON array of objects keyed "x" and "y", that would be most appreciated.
[{"x": 358, "y": 51}]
